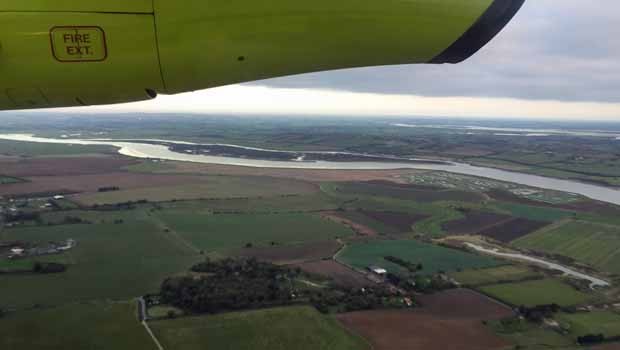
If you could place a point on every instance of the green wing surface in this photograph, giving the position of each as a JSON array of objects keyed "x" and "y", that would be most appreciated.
[{"x": 89, "y": 52}]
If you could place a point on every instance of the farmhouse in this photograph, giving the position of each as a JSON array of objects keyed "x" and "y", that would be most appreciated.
[
  {"x": 17, "y": 251},
  {"x": 377, "y": 270}
]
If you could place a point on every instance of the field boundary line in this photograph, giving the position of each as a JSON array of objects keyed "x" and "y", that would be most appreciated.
[{"x": 172, "y": 235}]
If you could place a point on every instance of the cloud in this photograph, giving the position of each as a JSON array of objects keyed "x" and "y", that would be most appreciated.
[{"x": 565, "y": 50}]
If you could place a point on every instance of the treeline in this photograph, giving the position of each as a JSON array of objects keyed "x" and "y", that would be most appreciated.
[
  {"x": 426, "y": 284},
  {"x": 593, "y": 339},
  {"x": 539, "y": 312},
  {"x": 22, "y": 216},
  {"x": 47, "y": 268},
  {"x": 411, "y": 267},
  {"x": 108, "y": 189}
]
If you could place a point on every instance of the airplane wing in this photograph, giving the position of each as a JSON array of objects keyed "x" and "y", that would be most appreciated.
[{"x": 90, "y": 52}]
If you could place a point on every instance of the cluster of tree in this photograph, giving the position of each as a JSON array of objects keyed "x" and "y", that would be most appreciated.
[
  {"x": 420, "y": 283},
  {"x": 411, "y": 267},
  {"x": 45, "y": 268},
  {"x": 237, "y": 284},
  {"x": 355, "y": 299},
  {"x": 120, "y": 206},
  {"x": 230, "y": 285},
  {"x": 539, "y": 312},
  {"x": 73, "y": 220},
  {"x": 592, "y": 339},
  {"x": 108, "y": 189},
  {"x": 21, "y": 216}
]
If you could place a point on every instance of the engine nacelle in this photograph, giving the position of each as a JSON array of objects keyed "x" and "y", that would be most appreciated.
[{"x": 91, "y": 52}]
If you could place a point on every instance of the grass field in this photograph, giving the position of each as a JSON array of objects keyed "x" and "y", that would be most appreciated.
[
  {"x": 477, "y": 277},
  {"x": 5, "y": 180},
  {"x": 300, "y": 328},
  {"x": 596, "y": 322},
  {"x": 109, "y": 262},
  {"x": 530, "y": 336},
  {"x": 539, "y": 292},
  {"x": 31, "y": 149},
  {"x": 433, "y": 258},
  {"x": 593, "y": 244},
  {"x": 392, "y": 190},
  {"x": 98, "y": 325},
  {"x": 211, "y": 187},
  {"x": 535, "y": 213},
  {"x": 223, "y": 232}
]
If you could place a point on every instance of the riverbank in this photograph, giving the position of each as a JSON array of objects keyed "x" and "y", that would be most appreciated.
[{"x": 159, "y": 151}]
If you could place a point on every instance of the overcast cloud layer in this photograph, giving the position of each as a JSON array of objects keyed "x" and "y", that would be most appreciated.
[{"x": 566, "y": 50}]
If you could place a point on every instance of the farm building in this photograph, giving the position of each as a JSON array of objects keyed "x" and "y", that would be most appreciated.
[
  {"x": 377, "y": 270},
  {"x": 17, "y": 251}
]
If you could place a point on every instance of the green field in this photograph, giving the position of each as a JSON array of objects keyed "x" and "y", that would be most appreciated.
[
  {"x": 32, "y": 149},
  {"x": 593, "y": 244},
  {"x": 596, "y": 322},
  {"x": 535, "y": 213},
  {"x": 390, "y": 190},
  {"x": 539, "y": 292},
  {"x": 530, "y": 336},
  {"x": 224, "y": 187},
  {"x": 299, "y": 328},
  {"x": 5, "y": 180},
  {"x": 477, "y": 277},
  {"x": 223, "y": 232},
  {"x": 110, "y": 261},
  {"x": 98, "y": 325},
  {"x": 433, "y": 258}
]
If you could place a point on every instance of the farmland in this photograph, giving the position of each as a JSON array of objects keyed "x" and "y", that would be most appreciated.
[
  {"x": 222, "y": 232},
  {"x": 595, "y": 322},
  {"x": 407, "y": 192},
  {"x": 474, "y": 222},
  {"x": 291, "y": 254},
  {"x": 138, "y": 223},
  {"x": 271, "y": 329},
  {"x": 101, "y": 325},
  {"x": 433, "y": 258},
  {"x": 203, "y": 187},
  {"x": 458, "y": 314},
  {"x": 337, "y": 272},
  {"x": 116, "y": 261},
  {"x": 485, "y": 276},
  {"x": 594, "y": 244},
  {"x": 539, "y": 292},
  {"x": 512, "y": 229}
]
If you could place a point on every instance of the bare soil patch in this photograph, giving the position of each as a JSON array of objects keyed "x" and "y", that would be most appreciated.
[
  {"x": 512, "y": 229},
  {"x": 447, "y": 320},
  {"x": 400, "y": 221},
  {"x": 463, "y": 303},
  {"x": 473, "y": 222},
  {"x": 403, "y": 329},
  {"x": 61, "y": 166},
  {"x": 292, "y": 254},
  {"x": 341, "y": 274}
]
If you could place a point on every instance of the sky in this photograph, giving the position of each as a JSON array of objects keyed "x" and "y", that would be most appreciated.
[{"x": 556, "y": 59}]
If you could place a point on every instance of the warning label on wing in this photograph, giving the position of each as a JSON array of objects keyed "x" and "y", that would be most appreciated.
[{"x": 78, "y": 44}]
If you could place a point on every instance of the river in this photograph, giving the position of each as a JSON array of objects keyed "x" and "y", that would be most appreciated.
[
  {"x": 594, "y": 282},
  {"x": 155, "y": 151}
]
